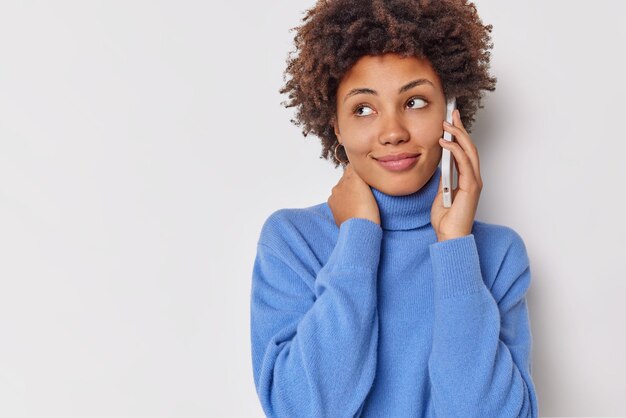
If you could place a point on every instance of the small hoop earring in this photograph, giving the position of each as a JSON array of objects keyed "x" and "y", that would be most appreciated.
[{"x": 336, "y": 158}]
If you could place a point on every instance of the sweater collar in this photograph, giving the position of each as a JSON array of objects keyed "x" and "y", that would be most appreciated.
[{"x": 409, "y": 211}]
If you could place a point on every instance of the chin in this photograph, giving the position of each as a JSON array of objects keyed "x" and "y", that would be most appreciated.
[
  {"x": 388, "y": 186},
  {"x": 403, "y": 185},
  {"x": 395, "y": 190}
]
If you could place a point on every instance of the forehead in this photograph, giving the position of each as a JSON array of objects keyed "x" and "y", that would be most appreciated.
[{"x": 387, "y": 71}]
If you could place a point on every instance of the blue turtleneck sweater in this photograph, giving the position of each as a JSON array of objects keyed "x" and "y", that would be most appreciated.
[{"x": 385, "y": 321}]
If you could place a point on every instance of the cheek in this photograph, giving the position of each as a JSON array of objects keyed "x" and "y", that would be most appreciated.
[
  {"x": 428, "y": 133},
  {"x": 358, "y": 138}
]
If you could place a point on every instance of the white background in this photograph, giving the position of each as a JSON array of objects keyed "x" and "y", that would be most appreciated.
[{"x": 143, "y": 144}]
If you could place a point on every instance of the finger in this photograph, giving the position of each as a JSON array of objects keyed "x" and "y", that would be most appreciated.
[
  {"x": 465, "y": 141},
  {"x": 456, "y": 119},
  {"x": 347, "y": 169},
  {"x": 473, "y": 154},
  {"x": 461, "y": 135},
  {"x": 463, "y": 163}
]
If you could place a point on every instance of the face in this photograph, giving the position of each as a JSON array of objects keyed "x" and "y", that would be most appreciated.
[{"x": 383, "y": 110}]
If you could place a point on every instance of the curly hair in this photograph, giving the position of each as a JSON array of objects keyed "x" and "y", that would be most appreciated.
[{"x": 336, "y": 33}]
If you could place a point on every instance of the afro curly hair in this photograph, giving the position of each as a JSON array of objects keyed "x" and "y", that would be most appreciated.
[{"x": 336, "y": 33}]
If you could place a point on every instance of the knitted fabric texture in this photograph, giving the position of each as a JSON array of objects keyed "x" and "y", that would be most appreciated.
[{"x": 368, "y": 320}]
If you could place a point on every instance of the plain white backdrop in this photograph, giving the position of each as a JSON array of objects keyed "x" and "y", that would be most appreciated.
[{"x": 143, "y": 144}]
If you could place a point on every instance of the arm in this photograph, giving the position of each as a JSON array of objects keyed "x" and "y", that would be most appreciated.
[
  {"x": 480, "y": 362},
  {"x": 314, "y": 350}
]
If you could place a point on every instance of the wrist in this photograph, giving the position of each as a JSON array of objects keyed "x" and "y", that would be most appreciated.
[{"x": 441, "y": 238}]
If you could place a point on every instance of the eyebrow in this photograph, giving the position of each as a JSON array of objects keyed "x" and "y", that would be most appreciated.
[{"x": 404, "y": 88}]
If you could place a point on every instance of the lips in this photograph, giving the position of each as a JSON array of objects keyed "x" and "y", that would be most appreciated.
[
  {"x": 396, "y": 157},
  {"x": 397, "y": 163}
]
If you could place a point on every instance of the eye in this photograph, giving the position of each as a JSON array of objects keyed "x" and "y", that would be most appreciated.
[
  {"x": 420, "y": 102},
  {"x": 359, "y": 107}
]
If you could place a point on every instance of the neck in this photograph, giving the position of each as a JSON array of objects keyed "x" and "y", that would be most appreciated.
[{"x": 409, "y": 211}]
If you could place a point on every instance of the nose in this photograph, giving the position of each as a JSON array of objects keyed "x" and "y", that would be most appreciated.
[{"x": 393, "y": 131}]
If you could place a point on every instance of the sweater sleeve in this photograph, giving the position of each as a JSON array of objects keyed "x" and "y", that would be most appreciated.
[
  {"x": 314, "y": 348},
  {"x": 480, "y": 363}
]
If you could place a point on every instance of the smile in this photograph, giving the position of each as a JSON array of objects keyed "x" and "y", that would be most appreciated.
[{"x": 399, "y": 165}]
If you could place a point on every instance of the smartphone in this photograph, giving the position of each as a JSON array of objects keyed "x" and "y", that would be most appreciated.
[{"x": 449, "y": 175}]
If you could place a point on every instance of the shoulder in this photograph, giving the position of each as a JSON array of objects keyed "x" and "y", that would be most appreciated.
[
  {"x": 495, "y": 236},
  {"x": 502, "y": 252},
  {"x": 286, "y": 227}
]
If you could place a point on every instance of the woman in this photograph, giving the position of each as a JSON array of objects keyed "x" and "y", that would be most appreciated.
[{"x": 381, "y": 302}]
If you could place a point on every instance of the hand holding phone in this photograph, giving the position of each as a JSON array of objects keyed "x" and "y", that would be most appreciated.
[
  {"x": 456, "y": 220},
  {"x": 448, "y": 167}
]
